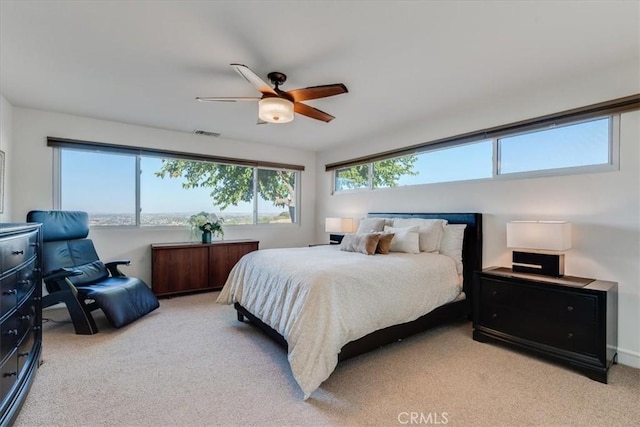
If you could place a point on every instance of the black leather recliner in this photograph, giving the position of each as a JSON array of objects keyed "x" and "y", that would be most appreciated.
[{"x": 73, "y": 274}]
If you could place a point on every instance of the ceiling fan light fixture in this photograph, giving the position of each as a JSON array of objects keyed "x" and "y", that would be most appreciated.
[{"x": 275, "y": 110}]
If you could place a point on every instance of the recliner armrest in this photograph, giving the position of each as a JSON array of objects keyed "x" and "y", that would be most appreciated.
[
  {"x": 61, "y": 273},
  {"x": 112, "y": 266}
]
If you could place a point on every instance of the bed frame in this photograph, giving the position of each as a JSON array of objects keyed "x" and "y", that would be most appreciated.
[{"x": 472, "y": 262}]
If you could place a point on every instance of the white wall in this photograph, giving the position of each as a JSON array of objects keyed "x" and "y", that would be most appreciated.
[
  {"x": 604, "y": 208},
  {"x": 33, "y": 188},
  {"x": 6, "y": 144}
]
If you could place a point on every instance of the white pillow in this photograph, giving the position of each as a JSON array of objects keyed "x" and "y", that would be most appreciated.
[
  {"x": 430, "y": 231},
  {"x": 404, "y": 240},
  {"x": 451, "y": 245},
  {"x": 370, "y": 225}
]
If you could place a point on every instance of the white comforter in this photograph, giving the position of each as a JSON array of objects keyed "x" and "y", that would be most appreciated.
[{"x": 320, "y": 298}]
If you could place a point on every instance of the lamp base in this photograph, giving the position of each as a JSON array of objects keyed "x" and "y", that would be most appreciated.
[
  {"x": 537, "y": 263},
  {"x": 335, "y": 239}
]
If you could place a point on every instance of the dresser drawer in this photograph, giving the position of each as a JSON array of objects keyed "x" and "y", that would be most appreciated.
[
  {"x": 9, "y": 335},
  {"x": 25, "y": 350},
  {"x": 25, "y": 319},
  {"x": 8, "y": 374},
  {"x": 547, "y": 302},
  {"x": 25, "y": 280},
  {"x": 16, "y": 250},
  {"x": 8, "y": 294}
]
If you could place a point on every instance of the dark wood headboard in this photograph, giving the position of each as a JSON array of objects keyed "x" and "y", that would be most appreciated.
[{"x": 472, "y": 247}]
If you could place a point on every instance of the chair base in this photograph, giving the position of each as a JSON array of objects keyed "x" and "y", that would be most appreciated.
[{"x": 81, "y": 317}]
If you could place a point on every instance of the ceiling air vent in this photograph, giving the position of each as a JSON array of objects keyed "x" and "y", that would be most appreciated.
[{"x": 206, "y": 132}]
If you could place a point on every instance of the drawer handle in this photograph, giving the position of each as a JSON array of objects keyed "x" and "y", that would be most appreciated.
[
  {"x": 10, "y": 292},
  {"x": 569, "y": 335},
  {"x": 10, "y": 374},
  {"x": 11, "y": 332},
  {"x": 569, "y": 308},
  {"x": 20, "y": 252},
  {"x": 494, "y": 316},
  {"x": 23, "y": 282},
  {"x": 25, "y": 317},
  {"x": 24, "y": 354}
]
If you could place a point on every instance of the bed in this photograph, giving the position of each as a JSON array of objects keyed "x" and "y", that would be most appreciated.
[{"x": 304, "y": 297}]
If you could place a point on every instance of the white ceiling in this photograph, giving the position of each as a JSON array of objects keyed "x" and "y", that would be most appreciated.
[{"x": 144, "y": 62}]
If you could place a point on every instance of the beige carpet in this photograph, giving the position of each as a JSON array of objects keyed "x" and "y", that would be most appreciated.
[{"x": 191, "y": 363}]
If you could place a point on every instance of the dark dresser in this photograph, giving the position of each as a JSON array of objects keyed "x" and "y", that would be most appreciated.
[
  {"x": 573, "y": 320},
  {"x": 20, "y": 314}
]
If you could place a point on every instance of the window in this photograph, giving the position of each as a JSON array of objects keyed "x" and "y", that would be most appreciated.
[
  {"x": 103, "y": 183},
  {"x": 572, "y": 146},
  {"x": 171, "y": 190},
  {"x": 576, "y": 147},
  {"x": 580, "y": 140},
  {"x": 168, "y": 190},
  {"x": 277, "y": 201},
  {"x": 352, "y": 178},
  {"x": 457, "y": 163}
]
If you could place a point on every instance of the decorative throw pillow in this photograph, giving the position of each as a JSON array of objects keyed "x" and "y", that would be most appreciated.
[
  {"x": 365, "y": 243},
  {"x": 452, "y": 240},
  {"x": 430, "y": 231},
  {"x": 370, "y": 225},
  {"x": 384, "y": 243},
  {"x": 405, "y": 240}
]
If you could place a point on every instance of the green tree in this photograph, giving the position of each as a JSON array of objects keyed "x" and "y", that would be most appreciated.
[
  {"x": 386, "y": 173},
  {"x": 232, "y": 184}
]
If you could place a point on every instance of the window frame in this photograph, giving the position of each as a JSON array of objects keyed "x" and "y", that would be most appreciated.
[{"x": 59, "y": 144}]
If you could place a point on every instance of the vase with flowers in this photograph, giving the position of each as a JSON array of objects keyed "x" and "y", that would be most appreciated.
[{"x": 209, "y": 224}]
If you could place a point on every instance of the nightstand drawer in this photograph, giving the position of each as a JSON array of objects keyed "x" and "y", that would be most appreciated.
[
  {"x": 539, "y": 329},
  {"x": 546, "y": 302}
]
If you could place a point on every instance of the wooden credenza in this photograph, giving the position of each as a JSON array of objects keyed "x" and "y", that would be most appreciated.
[
  {"x": 179, "y": 268},
  {"x": 20, "y": 314}
]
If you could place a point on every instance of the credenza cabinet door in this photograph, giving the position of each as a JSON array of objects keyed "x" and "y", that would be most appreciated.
[{"x": 180, "y": 268}]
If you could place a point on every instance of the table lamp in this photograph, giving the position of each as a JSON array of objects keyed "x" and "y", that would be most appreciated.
[
  {"x": 338, "y": 225},
  {"x": 547, "y": 238}
]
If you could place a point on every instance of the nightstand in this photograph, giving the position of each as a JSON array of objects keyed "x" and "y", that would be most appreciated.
[{"x": 573, "y": 320}]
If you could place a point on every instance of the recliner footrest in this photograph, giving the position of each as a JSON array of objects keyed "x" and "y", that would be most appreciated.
[{"x": 122, "y": 299}]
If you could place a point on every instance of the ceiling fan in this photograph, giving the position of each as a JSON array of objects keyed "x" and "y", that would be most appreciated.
[{"x": 278, "y": 106}]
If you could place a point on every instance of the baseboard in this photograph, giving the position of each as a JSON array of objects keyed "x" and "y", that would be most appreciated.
[{"x": 629, "y": 358}]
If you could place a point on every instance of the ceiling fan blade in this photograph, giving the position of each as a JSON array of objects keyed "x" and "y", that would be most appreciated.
[
  {"x": 314, "y": 113},
  {"x": 224, "y": 99},
  {"x": 316, "y": 92},
  {"x": 253, "y": 78}
]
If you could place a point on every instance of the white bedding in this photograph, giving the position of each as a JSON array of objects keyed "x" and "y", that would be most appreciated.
[{"x": 320, "y": 298}]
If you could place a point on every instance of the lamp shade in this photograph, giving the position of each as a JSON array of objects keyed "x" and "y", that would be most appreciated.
[
  {"x": 339, "y": 225},
  {"x": 275, "y": 110},
  {"x": 541, "y": 235}
]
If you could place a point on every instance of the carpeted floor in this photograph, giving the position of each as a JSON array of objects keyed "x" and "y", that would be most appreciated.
[{"x": 191, "y": 363}]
